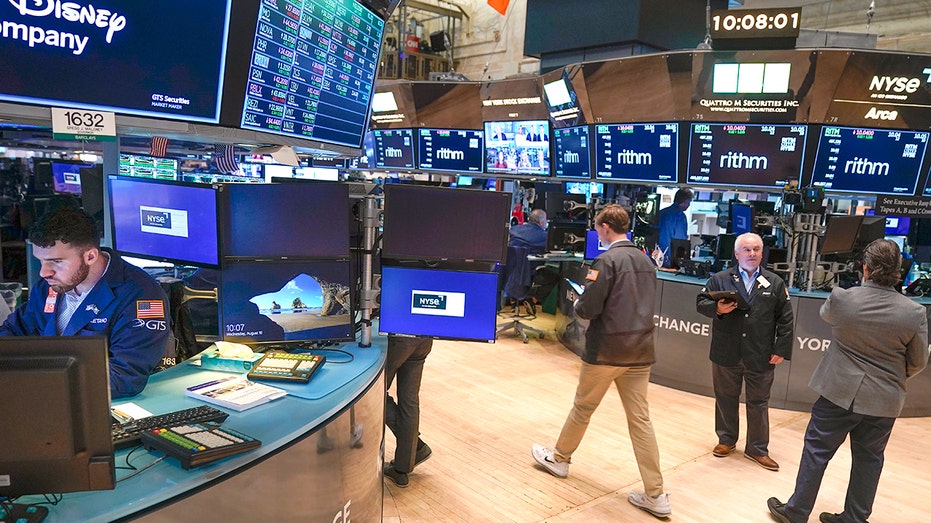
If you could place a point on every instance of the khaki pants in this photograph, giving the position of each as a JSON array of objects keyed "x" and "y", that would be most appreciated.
[{"x": 631, "y": 383}]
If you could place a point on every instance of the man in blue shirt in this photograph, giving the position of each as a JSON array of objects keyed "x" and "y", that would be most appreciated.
[
  {"x": 531, "y": 234},
  {"x": 86, "y": 291},
  {"x": 673, "y": 224}
]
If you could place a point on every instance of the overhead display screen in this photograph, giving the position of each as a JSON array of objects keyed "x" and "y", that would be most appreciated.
[
  {"x": 637, "y": 152},
  {"x": 158, "y": 59},
  {"x": 451, "y": 150},
  {"x": 312, "y": 70},
  {"x": 869, "y": 160},
  {"x": 518, "y": 147},
  {"x": 394, "y": 148},
  {"x": 746, "y": 155},
  {"x": 572, "y": 152}
]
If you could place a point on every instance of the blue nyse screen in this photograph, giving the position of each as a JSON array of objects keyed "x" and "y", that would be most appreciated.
[
  {"x": 572, "y": 152},
  {"x": 877, "y": 161},
  {"x": 637, "y": 152},
  {"x": 438, "y": 303}
]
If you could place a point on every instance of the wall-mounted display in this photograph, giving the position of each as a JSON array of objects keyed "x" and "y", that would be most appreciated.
[
  {"x": 747, "y": 155},
  {"x": 637, "y": 152}
]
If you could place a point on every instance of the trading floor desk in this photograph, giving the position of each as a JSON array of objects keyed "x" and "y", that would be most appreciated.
[
  {"x": 320, "y": 459},
  {"x": 683, "y": 340}
]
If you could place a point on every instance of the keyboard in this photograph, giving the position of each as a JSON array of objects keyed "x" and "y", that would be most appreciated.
[
  {"x": 129, "y": 434},
  {"x": 286, "y": 366},
  {"x": 198, "y": 443},
  {"x": 17, "y": 513}
]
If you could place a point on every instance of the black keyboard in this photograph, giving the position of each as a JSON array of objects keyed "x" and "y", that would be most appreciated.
[{"x": 128, "y": 434}]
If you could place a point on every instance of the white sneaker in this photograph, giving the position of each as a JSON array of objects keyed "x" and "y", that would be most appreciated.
[
  {"x": 658, "y": 506},
  {"x": 545, "y": 456}
]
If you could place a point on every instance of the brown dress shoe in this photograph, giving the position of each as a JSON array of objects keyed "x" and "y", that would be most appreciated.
[
  {"x": 721, "y": 450},
  {"x": 764, "y": 461}
]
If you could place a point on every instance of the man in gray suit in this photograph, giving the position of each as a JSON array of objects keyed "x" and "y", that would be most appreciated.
[{"x": 880, "y": 340}]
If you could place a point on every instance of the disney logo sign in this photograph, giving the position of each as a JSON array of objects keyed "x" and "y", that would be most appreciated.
[{"x": 73, "y": 12}]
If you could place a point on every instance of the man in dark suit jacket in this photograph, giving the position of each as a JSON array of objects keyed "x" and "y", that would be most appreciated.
[
  {"x": 880, "y": 340},
  {"x": 746, "y": 346}
]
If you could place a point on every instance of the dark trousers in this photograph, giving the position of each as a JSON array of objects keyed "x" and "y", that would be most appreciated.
[
  {"x": 826, "y": 431},
  {"x": 405, "y": 360},
  {"x": 757, "y": 384}
]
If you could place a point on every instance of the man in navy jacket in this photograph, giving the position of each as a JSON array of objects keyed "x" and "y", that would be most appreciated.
[{"x": 85, "y": 291}]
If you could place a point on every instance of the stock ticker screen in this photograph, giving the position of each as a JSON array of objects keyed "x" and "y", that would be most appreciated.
[
  {"x": 746, "y": 154},
  {"x": 637, "y": 152},
  {"x": 312, "y": 70}
]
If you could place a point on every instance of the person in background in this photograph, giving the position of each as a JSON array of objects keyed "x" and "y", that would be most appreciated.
[
  {"x": 746, "y": 346},
  {"x": 405, "y": 360},
  {"x": 619, "y": 300},
  {"x": 531, "y": 234},
  {"x": 86, "y": 290},
  {"x": 673, "y": 224},
  {"x": 880, "y": 340}
]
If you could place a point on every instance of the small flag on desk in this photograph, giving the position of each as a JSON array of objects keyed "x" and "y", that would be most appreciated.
[
  {"x": 150, "y": 309},
  {"x": 499, "y": 5},
  {"x": 158, "y": 146},
  {"x": 224, "y": 157}
]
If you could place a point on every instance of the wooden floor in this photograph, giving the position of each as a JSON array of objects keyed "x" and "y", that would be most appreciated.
[{"x": 483, "y": 405}]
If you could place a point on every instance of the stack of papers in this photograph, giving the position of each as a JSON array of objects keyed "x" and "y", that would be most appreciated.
[{"x": 235, "y": 392}]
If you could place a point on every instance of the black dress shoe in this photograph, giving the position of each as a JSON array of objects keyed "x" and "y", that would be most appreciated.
[
  {"x": 827, "y": 517},
  {"x": 778, "y": 510}
]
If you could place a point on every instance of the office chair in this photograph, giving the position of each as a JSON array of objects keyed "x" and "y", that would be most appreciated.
[{"x": 518, "y": 281}]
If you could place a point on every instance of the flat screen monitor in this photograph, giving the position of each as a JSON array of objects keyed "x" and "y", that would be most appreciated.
[
  {"x": 870, "y": 161},
  {"x": 593, "y": 246},
  {"x": 679, "y": 251},
  {"x": 741, "y": 218},
  {"x": 274, "y": 301},
  {"x": 566, "y": 237},
  {"x": 303, "y": 70},
  {"x": 452, "y": 150},
  {"x": 435, "y": 223},
  {"x": 840, "y": 235},
  {"x": 148, "y": 167},
  {"x": 278, "y": 171},
  {"x": 637, "y": 152},
  {"x": 56, "y": 415},
  {"x": 394, "y": 148},
  {"x": 898, "y": 225},
  {"x": 518, "y": 147},
  {"x": 572, "y": 153},
  {"x": 166, "y": 221},
  {"x": 438, "y": 303},
  {"x": 51, "y": 47},
  {"x": 746, "y": 155},
  {"x": 66, "y": 176},
  {"x": 286, "y": 220}
]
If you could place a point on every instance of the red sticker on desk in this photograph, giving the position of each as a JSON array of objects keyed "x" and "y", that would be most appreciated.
[{"x": 50, "y": 301}]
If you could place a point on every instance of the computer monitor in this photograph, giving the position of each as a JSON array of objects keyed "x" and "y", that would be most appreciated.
[
  {"x": 742, "y": 218},
  {"x": 593, "y": 246},
  {"x": 840, "y": 235},
  {"x": 518, "y": 147},
  {"x": 165, "y": 221},
  {"x": 749, "y": 155},
  {"x": 274, "y": 301},
  {"x": 557, "y": 201},
  {"x": 679, "y": 251},
  {"x": 55, "y": 407},
  {"x": 565, "y": 237},
  {"x": 436, "y": 223},
  {"x": 451, "y": 150},
  {"x": 637, "y": 152},
  {"x": 572, "y": 153},
  {"x": 394, "y": 148},
  {"x": 287, "y": 220},
  {"x": 439, "y": 303}
]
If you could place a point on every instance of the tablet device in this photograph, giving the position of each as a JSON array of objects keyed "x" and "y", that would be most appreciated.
[
  {"x": 730, "y": 295},
  {"x": 575, "y": 286}
]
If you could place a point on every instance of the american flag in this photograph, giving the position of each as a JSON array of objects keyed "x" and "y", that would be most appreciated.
[
  {"x": 224, "y": 158},
  {"x": 150, "y": 309},
  {"x": 158, "y": 146}
]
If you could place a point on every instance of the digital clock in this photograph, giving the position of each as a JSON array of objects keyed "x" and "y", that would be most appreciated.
[{"x": 756, "y": 23}]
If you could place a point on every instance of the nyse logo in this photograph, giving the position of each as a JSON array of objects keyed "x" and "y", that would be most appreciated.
[
  {"x": 895, "y": 84},
  {"x": 152, "y": 325},
  {"x": 430, "y": 301},
  {"x": 877, "y": 114},
  {"x": 438, "y": 303},
  {"x": 151, "y": 218}
]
